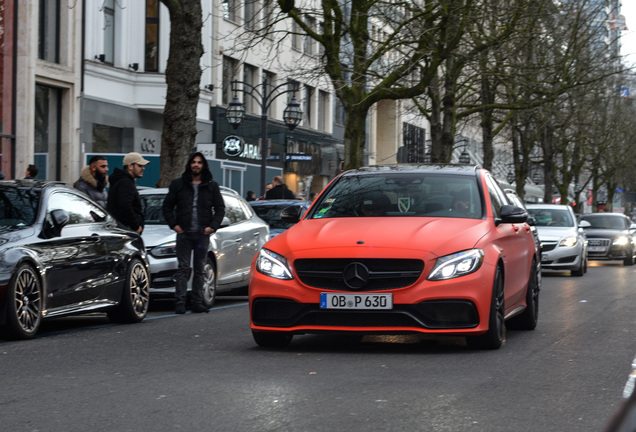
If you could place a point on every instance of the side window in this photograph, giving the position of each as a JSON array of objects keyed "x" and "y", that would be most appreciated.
[
  {"x": 80, "y": 211},
  {"x": 233, "y": 209},
  {"x": 497, "y": 198}
]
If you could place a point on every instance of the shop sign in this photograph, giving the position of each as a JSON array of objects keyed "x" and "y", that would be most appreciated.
[{"x": 298, "y": 157}]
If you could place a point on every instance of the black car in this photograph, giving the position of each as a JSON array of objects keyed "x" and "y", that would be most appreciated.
[
  {"x": 270, "y": 212},
  {"x": 611, "y": 236},
  {"x": 62, "y": 254}
]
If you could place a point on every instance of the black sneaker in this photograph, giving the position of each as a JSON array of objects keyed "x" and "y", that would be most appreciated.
[
  {"x": 180, "y": 309},
  {"x": 199, "y": 308}
]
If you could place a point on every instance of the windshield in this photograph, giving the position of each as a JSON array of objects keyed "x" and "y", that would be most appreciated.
[
  {"x": 556, "y": 217},
  {"x": 151, "y": 208},
  {"x": 18, "y": 206},
  {"x": 606, "y": 222},
  {"x": 271, "y": 215},
  {"x": 399, "y": 195}
]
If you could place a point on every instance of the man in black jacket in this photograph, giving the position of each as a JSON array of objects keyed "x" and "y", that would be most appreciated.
[
  {"x": 124, "y": 202},
  {"x": 188, "y": 210},
  {"x": 279, "y": 191}
]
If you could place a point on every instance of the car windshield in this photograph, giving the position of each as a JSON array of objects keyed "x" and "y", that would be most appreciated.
[
  {"x": 18, "y": 206},
  {"x": 606, "y": 222},
  {"x": 401, "y": 194},
  {"x": 151, "y": 207},
  {"x": 271, "y": 215},
  {"x": 557, "y": 217}
]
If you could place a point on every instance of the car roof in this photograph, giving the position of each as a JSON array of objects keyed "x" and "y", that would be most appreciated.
[
  {"x": 419, "y": 168},
  {"x": 164, "y": 191},
  {"x": 32, "y": 183},
  {"x": 612, "y": 214}
]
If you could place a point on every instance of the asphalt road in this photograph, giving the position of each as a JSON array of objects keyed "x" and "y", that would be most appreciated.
[{"x": 203, "y": 372}]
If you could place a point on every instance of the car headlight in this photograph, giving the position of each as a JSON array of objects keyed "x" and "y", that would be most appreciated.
[
  {"x": 457, "y": 264},
  {"x": 273, "y": 265},
  {"x": 621, "y": 241},
  {"x": 165, "y": 250},
  {"x": 568, "y": 241}
]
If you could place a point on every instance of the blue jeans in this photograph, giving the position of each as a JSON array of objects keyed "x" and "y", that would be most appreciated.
[{"x": 191, "y": 246}]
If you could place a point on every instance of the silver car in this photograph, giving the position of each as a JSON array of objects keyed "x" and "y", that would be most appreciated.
[
  {"x": 232, "y": 247},
  {"x": 563, "y": 242}
]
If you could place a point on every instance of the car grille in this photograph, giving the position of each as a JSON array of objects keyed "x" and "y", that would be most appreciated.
[
  {"x": 547, "y": 246},
  {"x": 598, "y": 242},
  {"x": 358, "y": 274},
  {"x": 433, "y": 314}
]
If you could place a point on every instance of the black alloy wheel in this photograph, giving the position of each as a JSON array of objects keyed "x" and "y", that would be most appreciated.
[
  {"x": 24, "y": 309},
  {"x": 135, "y": 296},
  {"x": 494, "y": 337}
]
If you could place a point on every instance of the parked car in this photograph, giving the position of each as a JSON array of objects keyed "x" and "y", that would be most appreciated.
[
  {"x": 270, "y": 210},
  {"x": 61, "y": 254},
  {"x": 232, "y": 247},
  {"x": 400, "y": 249},
  {"x": 611, "y": 236},
  {"x": 564, "y": 243}
]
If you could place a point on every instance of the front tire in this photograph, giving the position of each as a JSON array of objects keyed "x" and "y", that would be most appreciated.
[
  {"x": 135, "y": 296},
  {"x": 494, "y": 337},
  {"x": 630, "y": 259},
  {"x": 271, "y": 339},
  {"x": 209, "y": 283},
  {"x": 24, "y": 307},
  {"x": 582, "y": 267}
]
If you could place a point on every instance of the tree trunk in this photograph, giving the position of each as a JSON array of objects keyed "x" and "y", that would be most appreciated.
[
  {"x": 355, "y": 138},
  {"x": 183, "y": 77}
]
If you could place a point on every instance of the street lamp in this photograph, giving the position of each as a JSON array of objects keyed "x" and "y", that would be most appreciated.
[
  {"x": 464, "y": 157},
  {"x": 264, "y": 94}
]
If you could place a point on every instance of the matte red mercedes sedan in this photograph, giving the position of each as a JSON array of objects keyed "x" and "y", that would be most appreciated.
[{"x": 435, "y": 249}]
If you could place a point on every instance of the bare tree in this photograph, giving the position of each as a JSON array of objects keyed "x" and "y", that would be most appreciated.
[{"x": 183, "y": 78}]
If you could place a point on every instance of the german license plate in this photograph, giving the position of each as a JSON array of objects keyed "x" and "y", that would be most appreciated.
[
  {"x": 355, "y": 301},
  {"x": 596, "y": 248}
]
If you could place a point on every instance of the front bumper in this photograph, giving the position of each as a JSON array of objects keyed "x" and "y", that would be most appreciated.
[{"x": 457, "y": 306}]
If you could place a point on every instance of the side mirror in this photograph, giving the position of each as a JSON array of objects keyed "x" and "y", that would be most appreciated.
[
  {"x": 531, "y": 221},
  {"x": 511, "y": 214},
  {"x": 584, "y": 224},
  {"x": 59, "y": 219},
  {"x": 291, "y": 214}
]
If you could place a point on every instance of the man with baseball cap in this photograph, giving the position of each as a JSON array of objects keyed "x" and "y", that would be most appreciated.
[{"x": 124, "y": 202}]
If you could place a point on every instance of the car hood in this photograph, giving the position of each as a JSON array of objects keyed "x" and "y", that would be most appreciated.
[
  {"x": 379, "y": 237},
  {"x": 606, "y": 233},
  {"x": 154, "y": 235},
  {"x": 556, "y": 233}
]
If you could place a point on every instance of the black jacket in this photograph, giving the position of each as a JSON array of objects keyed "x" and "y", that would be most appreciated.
[
  {"x": 279, "y": 192},
  {"x": 177, "y": 206},
  {"x": 124, "y": 202}
]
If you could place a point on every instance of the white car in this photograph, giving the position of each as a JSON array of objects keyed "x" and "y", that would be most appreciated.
[
  {"x": 563, "y": 241},
  {"x": 232, "y": 247}
]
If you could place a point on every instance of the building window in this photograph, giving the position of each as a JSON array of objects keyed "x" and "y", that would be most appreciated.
[
  {"x": 323, "y": 110},
  {"x": 339, "y": 113},
  {"x": 296, "y": 36},
  {"x": 107, "y": 139},
  {"x": 109, "y": 31},
  {"x": 49, "y": 31},
  {"x": 250, "y": 14},
  {"x": 249, "y": 77},
  {"x": 268, "y": 17},
  {"x": 152, "y": 36},
  {"x": 309, "y": 41},
  {"x": 414, "y": 139},
  {"x": 307, "y": 103},
  {"x": 229, "y": 10},
  {"x": 47, "y": 147},
  {"x": 230, "y": 69},
  {"x": 271, "y": 82}
]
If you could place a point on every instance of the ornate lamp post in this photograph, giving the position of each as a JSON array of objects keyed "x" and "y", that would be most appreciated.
[
  {"x": 464, "y": 157},
  {"x": 264, "y": 94}
]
